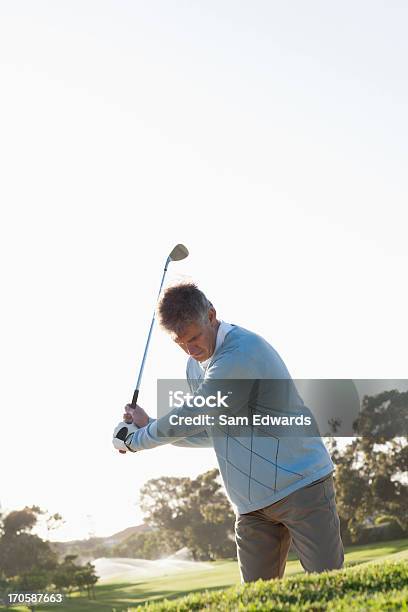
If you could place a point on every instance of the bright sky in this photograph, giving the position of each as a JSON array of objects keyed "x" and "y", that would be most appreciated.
[{"x": 269, "y": 137}]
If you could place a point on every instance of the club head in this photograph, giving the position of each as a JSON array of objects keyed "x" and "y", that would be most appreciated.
[{"x": 179, "y": 252}]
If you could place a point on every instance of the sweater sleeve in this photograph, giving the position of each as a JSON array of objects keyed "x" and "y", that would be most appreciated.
[
  {"x": 201, "y": 440},
  {"x": 227, "y": 377}
]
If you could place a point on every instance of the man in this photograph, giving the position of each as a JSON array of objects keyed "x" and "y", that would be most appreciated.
[{"x": 279, "y": 481}]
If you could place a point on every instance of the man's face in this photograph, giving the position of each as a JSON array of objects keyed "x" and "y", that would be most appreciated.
[{"x": 198, "y": 339}]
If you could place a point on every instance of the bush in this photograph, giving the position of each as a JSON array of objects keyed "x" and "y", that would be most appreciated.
[
  {"x": 392, "y": 600},
  {"x": 37, "y": 580},
  {"x": 381, "y": 533},
  {"x": 375, "y": 587}
]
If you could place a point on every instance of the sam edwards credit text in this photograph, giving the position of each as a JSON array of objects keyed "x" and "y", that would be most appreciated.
[{"x": 257, "y": 419}]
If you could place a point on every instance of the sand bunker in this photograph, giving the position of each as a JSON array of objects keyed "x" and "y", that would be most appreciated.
[{"x": 122, "y": 568}]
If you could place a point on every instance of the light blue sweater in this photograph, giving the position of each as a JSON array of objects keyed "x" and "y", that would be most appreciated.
[{"x": 259, "y": 465}]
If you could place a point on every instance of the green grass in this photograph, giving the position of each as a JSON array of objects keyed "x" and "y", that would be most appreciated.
[
  {"x": 369, "y": 586},
  {"x": 121, "y": 596}
]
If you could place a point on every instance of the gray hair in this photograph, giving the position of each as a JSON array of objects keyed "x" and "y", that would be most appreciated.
[{"x": 181, "y": 305}]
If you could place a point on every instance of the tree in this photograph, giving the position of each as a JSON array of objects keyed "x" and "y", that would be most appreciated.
[
  {"x": 20, "y": 521},
  {"x": 64, "y": 574},
  {"x": 371, "y": 473},
  {"x": 28, "y": 563},
  {"x": 191, "y": 512},
  {"x": 21, "y": 552},
  {"x": 146, "y": 545},
  {"x": 70, "y": 576},
  {"x": 32, "y": 582},
  {"x": 85, "y": 577}
]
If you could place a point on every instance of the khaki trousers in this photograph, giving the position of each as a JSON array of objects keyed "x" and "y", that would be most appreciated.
[{"x": 308, "y": 518}]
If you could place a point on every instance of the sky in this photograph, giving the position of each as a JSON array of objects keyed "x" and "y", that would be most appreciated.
[{"x": 269, "y": 137}]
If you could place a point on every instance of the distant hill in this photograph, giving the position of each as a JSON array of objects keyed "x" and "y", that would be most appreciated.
[
  {"x": 119, "y": 537},
  {"x": 92, "y": 548}
]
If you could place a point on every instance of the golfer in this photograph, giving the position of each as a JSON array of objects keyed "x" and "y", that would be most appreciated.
[{"x": 280, "y": 485}]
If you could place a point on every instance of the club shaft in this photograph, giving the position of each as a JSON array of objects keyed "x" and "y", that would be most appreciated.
[{"x": 139, "y": 379}]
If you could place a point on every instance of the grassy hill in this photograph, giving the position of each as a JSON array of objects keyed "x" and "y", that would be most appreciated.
[
  {"x": 368, "y": 581},
  {"x": 373, "y": 586}
]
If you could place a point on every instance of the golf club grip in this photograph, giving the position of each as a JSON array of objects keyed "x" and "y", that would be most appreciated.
[{"x": 134, "y": 399}]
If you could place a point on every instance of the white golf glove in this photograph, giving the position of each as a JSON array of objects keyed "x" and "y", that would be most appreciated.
[{"x": 122, "y": 436}]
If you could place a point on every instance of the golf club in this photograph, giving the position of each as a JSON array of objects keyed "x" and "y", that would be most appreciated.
[{"x": 179, "y": 252}]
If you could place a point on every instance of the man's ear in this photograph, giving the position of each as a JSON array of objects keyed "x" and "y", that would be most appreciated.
[{"x": 212, "y": 315}]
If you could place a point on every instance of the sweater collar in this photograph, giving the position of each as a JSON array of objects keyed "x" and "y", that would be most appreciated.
[{"x": 223, "y": 330}]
